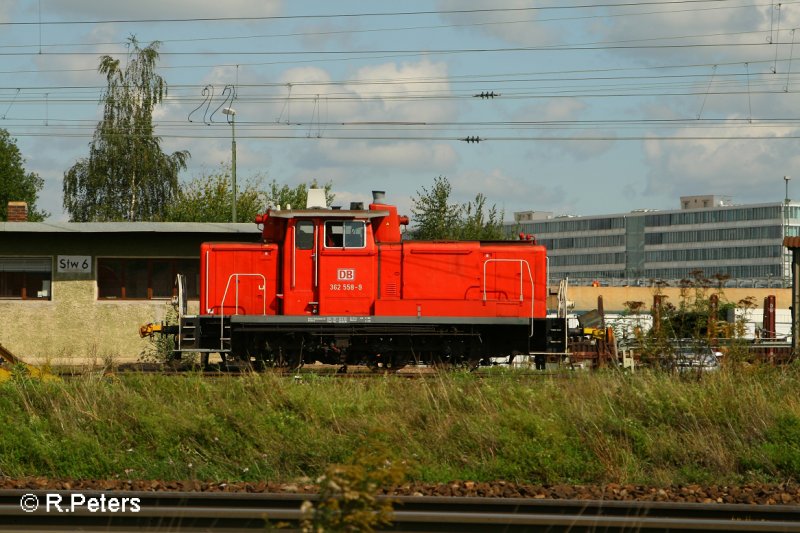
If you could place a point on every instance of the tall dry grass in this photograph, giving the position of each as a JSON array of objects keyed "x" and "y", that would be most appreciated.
[{"x": 649, "y": 428}]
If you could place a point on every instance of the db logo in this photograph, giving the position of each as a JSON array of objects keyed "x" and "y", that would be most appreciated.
[{"x": 345, "y": 274}]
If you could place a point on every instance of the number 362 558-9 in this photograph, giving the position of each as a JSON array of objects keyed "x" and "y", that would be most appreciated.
[{"x": 346, "y": 287}]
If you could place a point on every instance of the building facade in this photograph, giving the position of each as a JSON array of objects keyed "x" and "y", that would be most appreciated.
[
  {"x": 78, "y": 292},
  {"x": 742, "y": 244}
]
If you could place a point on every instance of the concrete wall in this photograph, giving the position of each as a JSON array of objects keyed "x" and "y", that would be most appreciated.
[
  {"x": 614, "y": 298},
  {"x": 75, "y": 327}
]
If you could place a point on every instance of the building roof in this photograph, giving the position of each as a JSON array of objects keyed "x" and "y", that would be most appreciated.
[
  {"x": 128, "y": 227},
  {"x": 645, "y": 212}
]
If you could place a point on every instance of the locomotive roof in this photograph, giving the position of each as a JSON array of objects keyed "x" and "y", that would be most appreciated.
[{"x": 328, "y": 213}]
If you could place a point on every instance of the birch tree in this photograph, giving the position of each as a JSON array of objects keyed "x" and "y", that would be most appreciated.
[{"x": 126, "y": 177}]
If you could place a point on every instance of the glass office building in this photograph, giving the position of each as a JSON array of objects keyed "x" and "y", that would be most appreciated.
[{"x": 741, "y": 242}]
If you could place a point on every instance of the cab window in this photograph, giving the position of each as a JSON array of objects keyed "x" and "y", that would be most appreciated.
[
  {"x": 304, "y": 235},
  {"x": 345, "y": 234}
]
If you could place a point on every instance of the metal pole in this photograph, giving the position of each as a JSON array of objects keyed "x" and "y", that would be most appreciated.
[
  {"x": 785, "y": 263},
  {"x": 233, "y": 162}
]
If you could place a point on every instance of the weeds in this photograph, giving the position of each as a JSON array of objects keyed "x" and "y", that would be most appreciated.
[
  {"x": 739, "y": 424},
  {"x": 161, "y": 348}
]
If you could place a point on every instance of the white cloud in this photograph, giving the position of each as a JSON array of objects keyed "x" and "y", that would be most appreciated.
[
  {"x": 405, "y": 92},
  {"x": 159, "y": 9},
  {"x": 6, "y": 7},
  {"x": 558, "y": 109},
  {"x": 728, "y": 25},
  {"x": 518, "y": 25},
  {"x": 748, "y": 169},
  {"x": 318, "y": 35},
  {"x": 507, "y": 191},
  {"x": 389, "y": 92},
  {"x": 408, "y": 155}
]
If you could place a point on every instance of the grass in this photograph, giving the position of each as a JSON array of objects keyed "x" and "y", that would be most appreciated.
[{"x": 738, "y": 425}]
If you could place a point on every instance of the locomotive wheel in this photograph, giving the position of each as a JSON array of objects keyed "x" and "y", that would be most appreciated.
[
  {"x": 472, "y": 364},
  {"x": 388, "y": 363},
  {"x": 289, "y": 361}
]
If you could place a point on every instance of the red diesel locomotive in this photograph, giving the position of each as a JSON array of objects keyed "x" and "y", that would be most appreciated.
[{"x": 343, "y": 287}]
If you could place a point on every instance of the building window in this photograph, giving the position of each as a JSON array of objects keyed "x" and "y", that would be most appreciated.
[
  {"x": 25, "y": 278},
  {"x": 145, "y": 278}
]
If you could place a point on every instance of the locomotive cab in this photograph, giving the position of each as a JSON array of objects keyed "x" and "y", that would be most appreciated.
[{"x": 328, "y": 262}]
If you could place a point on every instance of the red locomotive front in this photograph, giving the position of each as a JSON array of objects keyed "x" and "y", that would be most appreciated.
[{"x": 342, "y": 286}]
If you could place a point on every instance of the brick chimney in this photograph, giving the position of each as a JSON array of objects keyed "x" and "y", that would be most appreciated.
[{"x": 17, "y": 212}]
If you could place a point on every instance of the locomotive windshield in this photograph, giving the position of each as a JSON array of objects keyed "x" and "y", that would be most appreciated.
[{"x": 344, "y": 234}]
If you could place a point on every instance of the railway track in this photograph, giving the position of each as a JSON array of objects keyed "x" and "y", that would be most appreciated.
[
  {"x": 352, "y": 372},
  {"x": 233, "y": 512}
]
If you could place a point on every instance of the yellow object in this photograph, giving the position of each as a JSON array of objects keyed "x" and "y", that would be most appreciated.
[
  {"x": 148, "y": 330},
  {"x": 9, "y": 362}
]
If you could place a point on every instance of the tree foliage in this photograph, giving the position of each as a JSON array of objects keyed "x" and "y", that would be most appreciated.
[
  {"x": 481, "y": 222},
  {"x": 437, "y": 217},
  {"x": 126, "y": 176},
  {"x": 294, "y": 197},
  {"x": 15, "y": 184},
  {"x": 208, "y": 198}
]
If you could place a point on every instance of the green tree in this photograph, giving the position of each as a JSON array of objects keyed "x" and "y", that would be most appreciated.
[
  {"x": 126, "y": 176},
  {"x": 208, "y": 199},
  {"x": 480, "y": 222},
  {"x": 283, "y": 195},
  {"x": 434, "y": 216},
  {"x": 437, "y": 217},
  {"x": 15, "y": 184}
]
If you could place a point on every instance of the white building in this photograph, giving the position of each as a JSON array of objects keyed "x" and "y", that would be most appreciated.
[{"x": 708, "y": 233}]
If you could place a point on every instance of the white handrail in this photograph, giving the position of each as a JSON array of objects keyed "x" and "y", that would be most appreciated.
[
  {"x": 262, "y": 288},
  {"x": 527, "y": 266}
]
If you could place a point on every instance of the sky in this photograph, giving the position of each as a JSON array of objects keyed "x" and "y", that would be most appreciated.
[{"x": 581, "y": 107}]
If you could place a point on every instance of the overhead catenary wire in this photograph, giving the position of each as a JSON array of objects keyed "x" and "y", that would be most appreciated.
[
  {"x": 350, "y": 31},
  {"x": 535, "y": 87},
  {"x": 352, "y": 15}
]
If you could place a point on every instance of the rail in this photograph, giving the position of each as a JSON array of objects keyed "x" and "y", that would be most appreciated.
[{"x": 204, "y": 511}]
